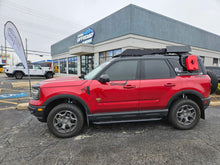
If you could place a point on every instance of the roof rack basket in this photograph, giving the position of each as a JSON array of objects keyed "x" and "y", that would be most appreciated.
[{"x": 168, "y": 50}]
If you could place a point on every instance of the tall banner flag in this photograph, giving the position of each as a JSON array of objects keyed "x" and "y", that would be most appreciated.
[{"x": 14, "y": 39}]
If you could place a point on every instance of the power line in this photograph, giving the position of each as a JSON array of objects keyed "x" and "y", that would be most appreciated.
[
  {"x": 35, "y": 13},
  {"x": 31, "y": 53},
  {"x": 31, "y": 50}
]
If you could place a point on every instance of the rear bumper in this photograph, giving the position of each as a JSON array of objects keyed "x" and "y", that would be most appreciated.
[
  {"x": 206, "y": 102},
  {"x": 39, "y": 114}
]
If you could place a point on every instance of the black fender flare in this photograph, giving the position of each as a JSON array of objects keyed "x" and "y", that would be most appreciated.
[
  {"x": 191, "y": 92},
  {"x": 63, "y": 96}
]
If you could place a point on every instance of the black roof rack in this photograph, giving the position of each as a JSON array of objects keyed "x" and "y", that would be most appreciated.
[{"x": 168, "y": 50}]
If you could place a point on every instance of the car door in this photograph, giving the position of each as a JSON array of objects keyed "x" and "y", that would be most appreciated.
[
  {"x": 121, "y": 93},
  {"x": 37, "y": 70},
  {"x": 158, "y": 84}
]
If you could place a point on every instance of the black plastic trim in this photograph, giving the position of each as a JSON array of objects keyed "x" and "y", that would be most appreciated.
[
  {"x": 207, "y": 100},
  {"x": 126, "y": 121},
  {"x": 39, "y": 114},
  {"x": 181, "y": 93},
  {"x": 88, "y": 90},
  {"x": 62, "y": 96},
  {"x": 130, "y": 116}
]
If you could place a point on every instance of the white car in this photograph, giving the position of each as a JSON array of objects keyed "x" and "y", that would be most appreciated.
[{"x": 18, "y": 71}]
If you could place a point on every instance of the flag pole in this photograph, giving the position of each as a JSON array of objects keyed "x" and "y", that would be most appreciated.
[
  {"x": 29, "y": 77},
  {"x": 14, "y": 39}
]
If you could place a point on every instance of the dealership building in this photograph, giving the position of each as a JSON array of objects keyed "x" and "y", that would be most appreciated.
[{"x": 132, "y": 27}]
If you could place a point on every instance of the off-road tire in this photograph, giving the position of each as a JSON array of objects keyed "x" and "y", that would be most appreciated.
[
  {"x": 62, "y": 108},
  {"x": 174, "y": 116},
  {"x": 49, "y": 75},
  {"x": 214, "y": 81},
  {"x": 18, "y": 75}
]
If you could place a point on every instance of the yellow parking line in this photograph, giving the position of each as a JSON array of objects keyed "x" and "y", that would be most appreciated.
[
  {"x": 11, "y": 89},
  {"x": 19, "y": 98},
  {"x": 1, "y": 109},
  {"x": 0, "y": 90},
  {"x": 3, "y": 101}
]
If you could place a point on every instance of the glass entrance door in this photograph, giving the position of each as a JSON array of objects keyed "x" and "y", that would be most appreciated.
[{"x": 87, "y": 63}]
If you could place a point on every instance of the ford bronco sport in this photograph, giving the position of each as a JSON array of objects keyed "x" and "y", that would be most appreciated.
[{"x": 136, "y": 85}]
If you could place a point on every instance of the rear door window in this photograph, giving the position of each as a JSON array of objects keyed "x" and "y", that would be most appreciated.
[{"x": 156, "y": 69}]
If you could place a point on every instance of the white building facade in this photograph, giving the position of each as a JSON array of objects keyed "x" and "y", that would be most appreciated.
[{"x": 131, "y": 27}]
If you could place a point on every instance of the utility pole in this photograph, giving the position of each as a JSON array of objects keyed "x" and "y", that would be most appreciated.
[
  {"x": 26, "y": 52},
  {"x": 5, "y": 52},
  {"x": 1, "y": 52},
  {"x": 1, "y": 49}
]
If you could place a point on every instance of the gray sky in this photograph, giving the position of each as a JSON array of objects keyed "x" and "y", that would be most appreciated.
[{"x": 44, "y": 22}]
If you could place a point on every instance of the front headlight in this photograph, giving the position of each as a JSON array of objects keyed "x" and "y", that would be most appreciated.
[{"x": 35, "y": 92}]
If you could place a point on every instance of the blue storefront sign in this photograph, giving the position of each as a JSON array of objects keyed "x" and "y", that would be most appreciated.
[{"x": 86, "y": 37}]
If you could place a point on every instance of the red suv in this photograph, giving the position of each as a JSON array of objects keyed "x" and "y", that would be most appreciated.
[{"x": 136, "y": 85}]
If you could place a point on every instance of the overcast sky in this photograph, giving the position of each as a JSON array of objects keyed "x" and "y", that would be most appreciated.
[{"x": 45, "y": 22}]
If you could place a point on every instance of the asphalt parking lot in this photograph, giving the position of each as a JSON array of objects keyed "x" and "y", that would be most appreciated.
[
  {"x": 11, "y": 96},
  {"x": 25, "y": 140}
]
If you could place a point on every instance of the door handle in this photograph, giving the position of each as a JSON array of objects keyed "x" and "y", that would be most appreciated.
[
  {"x": 169, "y": 85},
  {"x": 129, "y": 86}
]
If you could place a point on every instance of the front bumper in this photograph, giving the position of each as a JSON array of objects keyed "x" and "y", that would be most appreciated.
[
  {"x": 206, "y": 102},
  {"x": 35, "y": 111}
]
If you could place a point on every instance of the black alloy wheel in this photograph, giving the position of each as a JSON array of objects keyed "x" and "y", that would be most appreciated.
[
  {"x": 65, "y": 120},
  {"x": 184, "y": 114},
  {"x": 18, "y": 75}
]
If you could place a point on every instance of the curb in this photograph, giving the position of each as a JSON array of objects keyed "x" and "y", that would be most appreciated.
[
  {"x": 215, "y": 103},
  {"x": 23, "y": 84},
  {"x": 22, "y": 106}
]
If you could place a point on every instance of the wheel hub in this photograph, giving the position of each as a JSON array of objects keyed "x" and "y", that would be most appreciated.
[
  {"x": 65, "y": 121},
  {"x": 186, "y": 114}
]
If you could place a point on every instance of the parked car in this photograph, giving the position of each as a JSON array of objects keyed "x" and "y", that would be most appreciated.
[
  {"x": 18, "y": 71},
  {"x": 216, "y": 70},
  {"x": 1, "y": 68},
  {"x": 136, "y": 85}
]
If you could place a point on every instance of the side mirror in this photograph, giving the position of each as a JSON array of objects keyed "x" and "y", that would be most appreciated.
[
  {"x": 104, "y": 78},
  {"x": 82, "y": 76}
]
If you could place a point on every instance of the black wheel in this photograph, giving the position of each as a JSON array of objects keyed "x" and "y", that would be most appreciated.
[
  {"x": 214, "y": 81},
  {"x": 49, "y": 75},
  {"x": 18, "y": 75},
  {"x": 65, "y": 120},
  {"x": 184, "y": 114}
]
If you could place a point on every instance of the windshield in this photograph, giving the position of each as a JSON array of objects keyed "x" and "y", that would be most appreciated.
[{"x": 95, "y": 71}]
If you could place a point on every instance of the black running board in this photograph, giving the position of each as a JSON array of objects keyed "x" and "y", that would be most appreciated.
[{"x": 126, "y": 121}]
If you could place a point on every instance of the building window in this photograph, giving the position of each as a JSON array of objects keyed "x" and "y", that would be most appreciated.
[
  {"x": 215, "y": 61},
  {"x": 56, "y": 66},
  {"x": 63, "y": 67},
  {"x": 87, "y": 64},
  {"x": 203, "y": 59},
  {"x": 72, "y": 65},
  {"x": 104, "y": 56}
]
